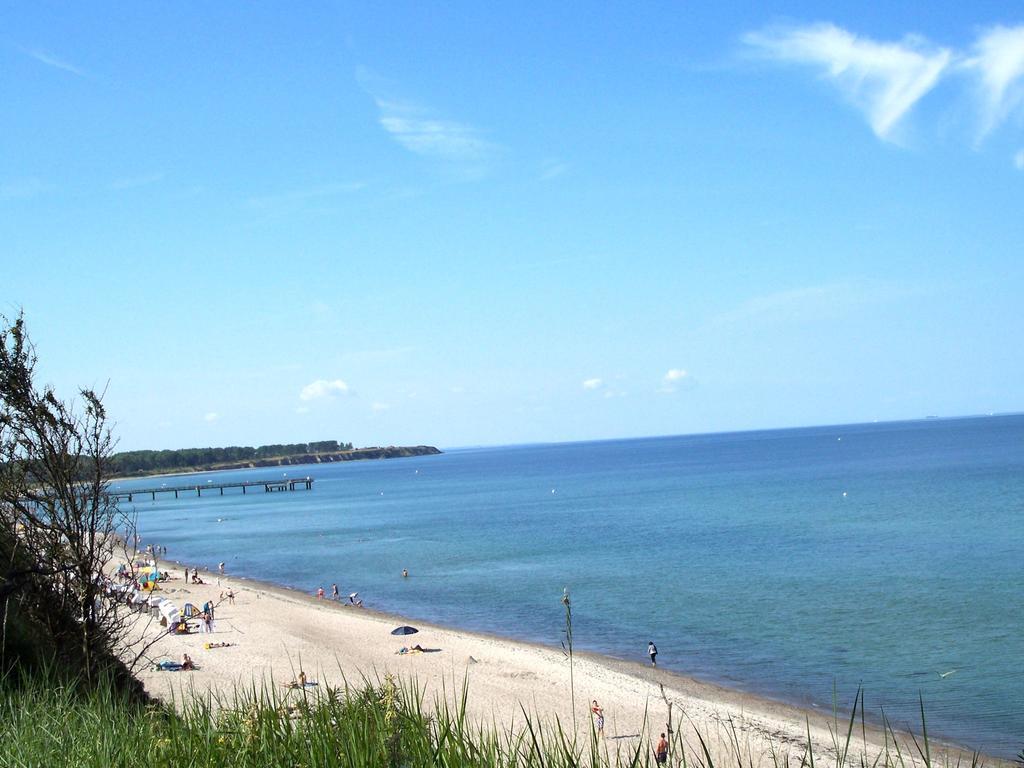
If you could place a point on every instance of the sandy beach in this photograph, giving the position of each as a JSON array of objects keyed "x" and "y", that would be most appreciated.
[{"x": 275, "y": 633}]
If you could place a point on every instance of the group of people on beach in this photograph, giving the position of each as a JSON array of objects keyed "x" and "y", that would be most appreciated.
[{"x": 353, "y": 598}]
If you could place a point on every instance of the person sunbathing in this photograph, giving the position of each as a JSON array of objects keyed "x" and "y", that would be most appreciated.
[
  {"x": 187, "y": 663},
  {"x": 301, "y": 682}
]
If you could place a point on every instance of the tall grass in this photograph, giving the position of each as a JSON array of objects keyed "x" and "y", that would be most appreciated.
[{"x": 384, "y": 722}]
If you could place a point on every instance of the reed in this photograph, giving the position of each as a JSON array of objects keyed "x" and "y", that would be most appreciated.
[{"x": 46, "y": 721}]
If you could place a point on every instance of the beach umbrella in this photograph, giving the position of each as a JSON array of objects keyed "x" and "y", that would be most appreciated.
[{"x": 404, "y": 630}]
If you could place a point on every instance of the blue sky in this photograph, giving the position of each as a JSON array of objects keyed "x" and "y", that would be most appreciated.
[{"x": 473, "y": 224}]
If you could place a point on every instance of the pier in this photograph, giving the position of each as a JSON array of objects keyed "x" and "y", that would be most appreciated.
[{"x": 268, "y": 486}]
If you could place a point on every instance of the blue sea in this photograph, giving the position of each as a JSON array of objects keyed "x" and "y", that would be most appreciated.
[{"x": 789, "y": 563}]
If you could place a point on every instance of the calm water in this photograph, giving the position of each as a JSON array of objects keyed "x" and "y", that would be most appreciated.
[{"x": 781, "y": 562}]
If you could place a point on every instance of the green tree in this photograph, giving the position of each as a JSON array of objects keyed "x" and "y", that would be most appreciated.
[{"x": 55, "y": 512}]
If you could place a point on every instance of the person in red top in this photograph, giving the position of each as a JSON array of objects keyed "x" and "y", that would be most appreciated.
[
  {"x": 320, "y": 593},
  {"x": 598, "y": 718},
  {"x": 661, "y": 751}
]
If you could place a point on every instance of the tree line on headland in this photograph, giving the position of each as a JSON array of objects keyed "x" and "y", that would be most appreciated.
[{"x": 145, "y": 462}]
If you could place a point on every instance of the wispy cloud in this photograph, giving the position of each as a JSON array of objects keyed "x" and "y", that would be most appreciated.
[
  {"x": 886, "y": 79},
  {"x": 322, "y": 389},
  {"x": 592, "y": 384},
  {"x": 304, "y": 194},
  {"x": 811, "y": 303},
  {"x": 998, "y": 59},
  {"x": 22, "y": 189},
  {"x": 132, "y": 182},
  {"x": 50, "y": 60},
  {"x": 380, "y": 407},
  {"x": 552, "y": 169},
  {"x": 422, "y": 131},
  {"x": 412, "y": 127},
  {"x": 779, "y": 302},
  {"x": 1018, "y": 160},
  {"x": 211, "y": 417},
  {"x": 883, "y": 79}
]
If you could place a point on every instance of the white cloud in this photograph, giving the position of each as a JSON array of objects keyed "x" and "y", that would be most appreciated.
[
  {"x": 998, "y": 59},
  {"x": 421, "y": 131},
  {"x": 52, "y": 61},
  {"x": 322, "y": 388},
  {"x": 416, "y": 130},
  {"x": 1018, "y": 160},
  {"x": 673, "y": 379},
  {"x": 592, "y": 383},
  {"x": 883, "y": 79},
  {"x": 211, "y": 417}
]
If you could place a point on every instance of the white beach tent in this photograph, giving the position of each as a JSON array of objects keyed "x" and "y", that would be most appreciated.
[{"x": 170, "y": 612}]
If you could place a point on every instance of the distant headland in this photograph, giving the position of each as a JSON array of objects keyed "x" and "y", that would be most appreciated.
[{"x": 187, "y": 460}]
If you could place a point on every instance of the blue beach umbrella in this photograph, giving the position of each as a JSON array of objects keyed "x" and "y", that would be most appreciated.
[{"x": 405, "y": 629}]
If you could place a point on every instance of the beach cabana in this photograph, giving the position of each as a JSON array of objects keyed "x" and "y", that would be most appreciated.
[{"x": 170, "y": 612}]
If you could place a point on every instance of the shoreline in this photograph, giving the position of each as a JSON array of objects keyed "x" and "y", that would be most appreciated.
[{"x": 347, "y": 643}]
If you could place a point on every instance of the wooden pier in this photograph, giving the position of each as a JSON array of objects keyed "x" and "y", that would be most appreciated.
[{"x": 268, "y": 486}]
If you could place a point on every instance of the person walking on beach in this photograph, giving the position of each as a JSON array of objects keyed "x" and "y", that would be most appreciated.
[
  {"x": 320, "y": 593},
  {"x": 186, "y": 575},
  {"x": 231, "y": 596},
  {"x": 220, "y": 567},
  {"x": 652, "y": 651},
  {"x": 598, "y": 719},
  {"x": 335, "y": 595},
  {"x": 661, "y": 751}
]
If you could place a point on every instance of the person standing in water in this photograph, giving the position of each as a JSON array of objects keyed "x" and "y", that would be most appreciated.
[
  {"x": 335, "y": 595},
  {"x": 652, "y": 651}
]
